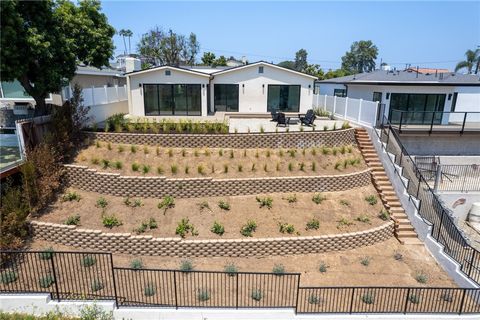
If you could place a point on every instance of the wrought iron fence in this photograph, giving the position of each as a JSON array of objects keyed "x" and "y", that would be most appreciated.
[
  {"x": 444, "y": 230},
  {"x": 461, "y": 178},
  {"x": 90, "y": 275}
]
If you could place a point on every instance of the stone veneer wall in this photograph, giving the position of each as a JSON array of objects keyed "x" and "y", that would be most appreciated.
[
  {"x": 233, "y": 140},
  {"x": 154, "y": 187},
  {"x": 126, "y": 243}
]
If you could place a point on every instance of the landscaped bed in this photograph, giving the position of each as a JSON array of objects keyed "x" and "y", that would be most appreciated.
[
  {"x": 269, "y": 215},
  {"x": 219, "y": 163}
]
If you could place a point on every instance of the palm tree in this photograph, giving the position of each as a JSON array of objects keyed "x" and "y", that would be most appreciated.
[
  {"x": 129, "y": 34},
  {"x": 473, "y": 60},
  {"x": 124, "y": 33}
]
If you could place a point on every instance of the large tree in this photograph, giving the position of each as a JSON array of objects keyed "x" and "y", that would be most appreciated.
[
  {"x": 472, "y": 61},
  {"x": 361, "y": 57},
  {"x": 300, "y": 63},
  {"x": 208, "y": 58},
  {"x": 126, "y": 33},
  {"x": 168, "y": 48},
  {"x": 42, "y": 42}
]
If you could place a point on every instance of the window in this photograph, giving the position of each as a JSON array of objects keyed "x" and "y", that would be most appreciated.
[
  {"x": 454, "y": 101},
  {"x": 283, "y": 98},
  {"x": 377, "y": 96},
  {"x": 172, "y": 99},
  {"x": 14, "y": 90},
  {"x": 260, "y": 69},
  {"x": 168, "y": 72},
  {"x": 225, "y": 97},
  {"x": 417, "y": 108},
  {"x": 340, "y": 92}
]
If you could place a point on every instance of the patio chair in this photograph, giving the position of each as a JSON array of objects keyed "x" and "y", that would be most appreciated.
[
  {"x": 282, "y": 120},
  {"x": 274, "y": 114},
  {"x": 308, "y": 119}
]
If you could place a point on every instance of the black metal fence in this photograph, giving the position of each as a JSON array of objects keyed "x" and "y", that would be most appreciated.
[
  {"x": 444, "y": 230},
  {"x": 90, "y": 275},
  {"x": 461, "y": 178}
]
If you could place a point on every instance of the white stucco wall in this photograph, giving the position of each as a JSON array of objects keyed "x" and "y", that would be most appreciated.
[
  {"x": 252, "y": 96},
  {"x": 101, "y": 112},
  {"x": 329, "y": 88},
  {"x": 135, "y": 90}
]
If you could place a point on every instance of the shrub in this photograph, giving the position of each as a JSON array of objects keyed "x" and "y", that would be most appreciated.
[
  {"x": 421, "y": 277},
  {"x": 110, "y": 221},
  {"x": 345, "y": 203},
  {"x": 203, "y": 295},
  {"x": 88, "y": 261},
  {"x": 96, "y": 285},
  {"x": 368, "y": 298},
  {"x": 46, "y": 281},
  {"x": 73, "y": 220},
  {"x": 265, "y": 202},
  {"x": 277, "y": 166},
  {"x": 334, "y": 151},
  {"x": 225, "y": 168},
  {"x": 142, "y": 228},
  {"x": 292, "y": 153},
  {"x": 135, "y": 166},
  {"x": 167, "y": 202},
  {"x": 8, "y": 276},
  {"x": 280, "y": 153},
  {"x": 118, "y": 165},
  {"x": 256, "y": 294},
  {"x": 170, "y": 153},
  {"x": 257, "y": 154},
  {"x": 248, "y": 229},
  {"x": 325, "y": 150},
  {"x": 268, "y": 153},
  {"x": 413, "y": 298},
  {"x": 232, "y": 155},
  {"x": 286, "y": 228},
  {"x": 447, "y": 296},
  {"x": 291, "y": 198},
  {"x": 240, "y": 168},
  {"x": 313, "y": 299},
  {"x": 314, "y": 166},
  {"x": 323, "y": 267},
  {"x": 278, "y": 269},
  {"x": 152, "y": 223},
  {"x": 218, "y": 228},
  {"x": 349, "y": 149},
  {"x": 174, "y": 168},
  {"x": 343, "y": 149},
  {"x": 371, "y": 199},
  {"x": 346, "y": 125},
  {"x": 95, "y": 161},
  {"x": 325, "y": 128},
  {"x": 365, "y": 261},
  {"x": 363, "y": 218},
  {"x": 301, "y": 166},
  {"x": 220, "y": 152},
  {"x": 398, "y": 256},
  {"x": 145, "y": 168},
  {"x": 71, "y": 196},
  {"x": 337, "y": 165},
  {"x": 157, "y": 151},
  {"x": 223, "y": 205},
  {"x": 384, "y": 215},
  {"x": 253, "y": 169},
  {"x": 334, "y": 126},
  {"x": 201, "y": 170},
  {"x": 98, "y": 144},
  {"x": 265, "y": 167},
  {"x": 186, "y": 266},
  {"x": 231, "y": 269},
  {"x": 46, "y": 254},
  {"x": 133, "y": 149},
  {"x": 313, "y": 224},
  {"x": 136, "y": 264},
  {"x": 184, "y": 227},
  {"x": 150, "y": 290},
  {"x": 195, "y": 153},
  {"x": 204, "y": 206},
  {"x": 344, "y": 222},
  {"x": 102, "y": 203},
  {"x": 318, "y": 198}
]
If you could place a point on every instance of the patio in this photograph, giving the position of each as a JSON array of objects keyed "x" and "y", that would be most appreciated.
[{"x": 244, "y": 125}]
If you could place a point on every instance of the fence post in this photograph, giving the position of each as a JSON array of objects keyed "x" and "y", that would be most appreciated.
[
  {"x": 471, "y": 263},
  {"x": 406, "y": 301},
  {"x": 55, "y": 276},
  {"x": 351, "y": 300},
  {"x": 431, "y": 123},
  {"x": 462, "y": 302},
  {"x": 440, "y": 226},
  {"x": 346, "y": 108},
  {"x": 463, "y": 124},
  {"x": 334, "y": 104},
  {"x": 360, "y": 110},
  {"x": 93, "y": 95},
  {"x": 116, "y": 89},
  {"x": 437, "y": 178},
  {"x": 325, "y": 102},
  {"x": 298, "y": 293},
  {"x": 236, "y": 297},
  {"x": 175, "y": 288},
  {"x": 401, "y": 119},
  {"x": 114, "y": 281}
]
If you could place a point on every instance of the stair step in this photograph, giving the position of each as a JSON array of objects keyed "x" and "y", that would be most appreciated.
[
  {"x": 405, "y": 228},
  {"x": 412, "y": 241},
  {"x": 408, "y": 234}
]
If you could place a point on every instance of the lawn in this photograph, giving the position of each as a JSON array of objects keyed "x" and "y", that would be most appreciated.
[{"x": 219, "y": 163}]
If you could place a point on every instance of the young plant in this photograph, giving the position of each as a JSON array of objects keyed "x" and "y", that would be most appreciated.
[
  {"x": 186, "y": 266},
  {"x": 196, "y": 153},
  {"x": 152, "y": 223},
  {"x": 224, "y": 205},
  {"x": 95, "y": 161},
  {"x": 150, "y": 290},
  {"x": 368, "y": 298},
  {"x": 220, "y": 152},
  {"x": 240, "y": 168},
  {"x": 118, "y": 165},
  {"x": 157, "y": 151},
  {"x": 201, "y": 169},
  {"x": 318, "y": 198},
  {"x": 142, "y": 228},
  {"x": 46, "y": 281},
  {"x": 135, "y": 166},
  {"x": 167, "y": 202},
  {"x": 313, "y": 224},
  {"x": 256, "y": 294},
  {"x": 218, "y": 228},
  {"x": 313, "y": 299},
  {"x": 133, "y": 149},
  {"x": 278, "y": 269},
  {"x": 291, "y": 198},
  {"x": 204, "y": 206},
  {"x": 345, "y": 203},
  {"x": 363, "y": 218},
  {"x": 338, "y": 165},
  {"x": 110, "y": 221},
  {"x": 146, "y": 150},
  {"x": 290, "y": 166},
  {"x": 187, "y": 169},
  {"x": 160, "y": 170},
  {"x": 71, "y": 196},
  {"x": 384, "y": 215},
  {"x": 105, "y": 163},
  {"x": 314, "y": 166},
  {"x": 323, "y": 267},
  {"x": 421, "y": 277},
  {"x": 203, "y": 295},
  {"x": 184, "y": 227},
  {"x": 286, "y": 228},
  {"x": 170, "y": 153},
  {"x": 73, "y": 220},
  {"x": 231, "y": 269},
  {"x": 344, "y": 222},
  {"x": 371, "y": 199},
  {"x": 146, "y": 168},
  {"x": 89, "y": 260},
  {"x": 413, "y": 298},
  {"x": 174, "y": 168},
  {"x": 232, "y": 154},
  {"x": 292, "y": 153},
  {"x": 102, "y": 203},
  {"x": 96, "y": 285},
  {"x": 46, "y": 254},
  {"x": 253, "y": 169},
  {"x": 398, "y": 256},
  {"x": 301, "y": 166},
  {"x": 225, "y": 168},
  {"x": 265, "y": 202},
  {"x": 8, "y": 276},
  {"x": 325, "y": 150},
  {"x": 277, "y": 166},
  {"x": 136, "y": 264},
  {"x": 365, "y": 261},
  {"x": 248, "y": 229}
]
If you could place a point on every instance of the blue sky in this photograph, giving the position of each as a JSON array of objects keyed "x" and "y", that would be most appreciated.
[{"x": 434, "y": 33}]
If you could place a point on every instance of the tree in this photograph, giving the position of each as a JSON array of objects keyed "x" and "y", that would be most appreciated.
[
  {"x": 126, "y": 33},
  {"x": 473, "y": 60},
  {"x": 335, "y": 74},
  {"x": 361, "y": 57},
  {"x": 208, "y": 58},
  {"x": 300, "y": 63},
  {"x": 221, "y": 61},
  {"x": 287, "y": 64},
  {"x": 168, "y": 48},
  {"x": 314, "y": 70},
  {"x": 42, "y": 42}
]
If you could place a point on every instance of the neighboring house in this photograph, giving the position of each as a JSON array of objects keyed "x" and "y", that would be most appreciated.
[
  {"x": 427, "y": 70},
  {"x": 256, "y": 88},
  {"x": 410, "y": 91}
]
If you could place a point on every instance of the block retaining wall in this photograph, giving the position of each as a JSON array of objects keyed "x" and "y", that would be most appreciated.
[
  {"x": 232, "y": 140},
  {"x": 155, "y": 187},
  {"x": 126, "y": 243}
]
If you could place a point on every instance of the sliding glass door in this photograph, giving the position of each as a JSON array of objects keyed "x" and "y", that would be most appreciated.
[
  {"x": 172, "y": 99},
  {"x": 225, "y": 97},
  {"x": 285, "y": 98},
  {"x": 418, "y": 108}
]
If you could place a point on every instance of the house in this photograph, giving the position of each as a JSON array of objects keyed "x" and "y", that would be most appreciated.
[
  {"x": 256, "y": 88},
  {"x": 410, "y": 91},
  {"x": 427, "y": 70}
]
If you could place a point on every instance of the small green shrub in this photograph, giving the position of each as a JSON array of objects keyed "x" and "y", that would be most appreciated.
[
  {"x": 313, "y": 224},
  {"x": 88, "y": 261},
  {"x": 170, "y": 153},
  {"x": 344, "y": 222},
  {"x": 301, "y": 166},
  {"x": 118, "y": 165},
  {"x": 398, "y": 256},
  {"x": 368, "y": 298},
  {"x": 220, "y": 152},
  {"x": 150, "y": 290},
  {"x": 46, "y": 281},
  {"x": 265, "y": 167},
  {"x": 240, "y": 168},
  {"x": 345, "y": 203},
  {"x": 280, "y": 153},
  {"x": 167, "y": 202},
  {"x": 46, "y": 254},
  {"x": 71, "y": 196},
  {"x": 218, "y": 228},
  {"x": 98, "y": 144},
  {"x": 334, "y": 151},
  {"x": 232, "y": 154},
  {"x": 96, "y": 285},
  {"x": 371, "y": 199},
  {"x": 157, "y": 151},
  {"x": 231, "y": 269},
  {"x": 184, "y": 227},
  {"x": 363, "y": 218},
  {"x": 186, "y": 266},
  {"x": 337, "y": 165},
  {"x": 203, "y": 295},
  {"x": 447, "y": 296},
  {"x": 286, "y": 228},
  {"x": 135, "y": 166},
  {"x": 277, "y": 166},
  {"x": 265, "y": 202},
  {"x": 314, "y": 166},
  {"x": 313, "y": 299},
  {"x": 256, "y": 294},
  {"x": 323, "y": 267},
  {"x": 133, "y": 149},
  {"x": 142, "y": 228},
  {"x": 136, "y": 264},
  {"x": 225, "y": 168},
  {"x": 95, "y": 161},
  {"x": 105, "y": 163},
  {"x": 291, "y": 198},
  {"x": 101, "y": 203},
  {"x": 174, "y": 168},
  {"x": 421, "y": 277},
  {"x": 318, "y": 198},
  {"x": 152, "y": 223},
  {"x": 413, "y": 298},
  {"x": 201, "y": 169},
  {"x": 384, "y": 215},
  {"x": 196, "y": 153},
  {"x": 73, "y": 220},
  {"x": 325, "y": 150},
  {"x": 248, "y": 229},
  {"x": 253, "y": 169},
  {"x": 292, "y": 153},
  {"x": 204, "y": 206},
  {"x": 223, "y": 205},
  {"x": 365, "y": 261},
  {"x": 346, "y": 125},
  {"x": 146, "y": 168},
  {"x": 110, "y": 221},
  {"x": 278, "y": 269},
  {"x": 8, "y": 276}
]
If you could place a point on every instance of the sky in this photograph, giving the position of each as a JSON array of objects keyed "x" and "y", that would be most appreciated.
[{"x": 427, "y": 34}]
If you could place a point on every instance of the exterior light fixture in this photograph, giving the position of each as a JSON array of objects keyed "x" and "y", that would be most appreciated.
[
  {"x": 139, "y": 85},
  {"x": 449, "y": 96},
  {"x": 387, "y": 96}
]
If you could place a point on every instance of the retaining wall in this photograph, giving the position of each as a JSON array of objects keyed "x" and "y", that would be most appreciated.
[
  {"x": 126, "y": 243},
  {"x": 237, "y": 140},
  {"x": 154, "y": 187}
]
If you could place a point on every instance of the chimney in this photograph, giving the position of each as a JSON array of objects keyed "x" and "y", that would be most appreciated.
[{"x": 132, "y": 64}]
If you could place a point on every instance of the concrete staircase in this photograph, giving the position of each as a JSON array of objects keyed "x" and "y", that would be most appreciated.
[{"x": 404, "y": 231}]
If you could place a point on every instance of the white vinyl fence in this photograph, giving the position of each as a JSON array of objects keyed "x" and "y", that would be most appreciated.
[
  {"x": 359, "y": 111},
  {"x": 99, "y": 95}
]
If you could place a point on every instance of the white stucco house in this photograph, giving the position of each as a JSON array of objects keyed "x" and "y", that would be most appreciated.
[
  {"x": 411, "y": 91},
  {"x": 256, "y": 88}
]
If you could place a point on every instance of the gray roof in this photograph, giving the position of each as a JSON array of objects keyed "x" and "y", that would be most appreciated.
[
  {"x": 81, "y": 69},
  {"x": 396, "y": 77}
]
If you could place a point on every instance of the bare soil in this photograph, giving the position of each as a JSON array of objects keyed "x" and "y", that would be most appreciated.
[
  {"x": 329, "y": 213},
  {"x": 219, "y": 163},
  {"x": 344, "y": 268}
]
